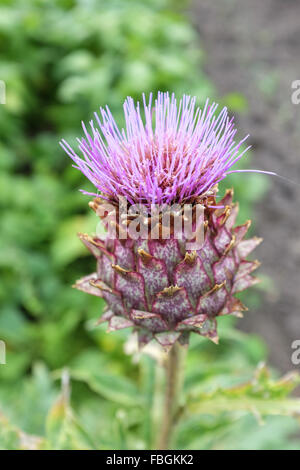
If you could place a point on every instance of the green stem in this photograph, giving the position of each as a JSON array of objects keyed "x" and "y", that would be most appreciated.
[{"x": 171, "y": 404}]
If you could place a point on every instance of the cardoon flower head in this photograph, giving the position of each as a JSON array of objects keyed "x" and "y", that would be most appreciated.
[
  {"x": 162, "y": 283},
  {"x": 175, "y": 154}
]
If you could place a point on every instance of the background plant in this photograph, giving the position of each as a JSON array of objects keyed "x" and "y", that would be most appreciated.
[{"x": 60, "y": 61}]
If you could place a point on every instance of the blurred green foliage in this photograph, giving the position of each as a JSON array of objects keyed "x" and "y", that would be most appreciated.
[{"x": 60, "y": 61}]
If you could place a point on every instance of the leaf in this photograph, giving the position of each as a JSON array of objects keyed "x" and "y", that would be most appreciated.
[
  {"x": 66, "y": 246},
  {"x": 63, "y": 429},
  {"x": 12, "y": 438},
  {"x": 111, "y": 387},
  {"x": 261, "y": 396}
]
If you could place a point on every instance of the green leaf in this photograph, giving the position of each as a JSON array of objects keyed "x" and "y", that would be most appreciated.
[
  {"x": 67, "y": 246},
  {"x": 63, "y": 429},
  {"x": 261, "y": 396},
  {"x": 12, "y": 438},
  {"x": 111, "y": 387}
]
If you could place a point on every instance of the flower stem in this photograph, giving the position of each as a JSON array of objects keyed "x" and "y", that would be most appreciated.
[{"x": 171, "y": 403}]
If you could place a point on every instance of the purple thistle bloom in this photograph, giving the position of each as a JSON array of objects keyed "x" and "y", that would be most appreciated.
[
  {"x": 168, "y": 153},
  {"x": 177, "y": 152}
]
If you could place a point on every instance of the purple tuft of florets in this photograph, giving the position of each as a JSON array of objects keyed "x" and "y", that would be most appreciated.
[{"x": 169, "y": 152}]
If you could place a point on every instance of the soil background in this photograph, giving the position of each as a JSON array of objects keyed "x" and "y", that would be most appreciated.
[{"x": 253, "y": 47}]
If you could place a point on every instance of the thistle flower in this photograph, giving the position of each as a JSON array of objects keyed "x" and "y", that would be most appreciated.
[
  {"x": 187, "y": 153},
  {"x": 167, "y": 154}
]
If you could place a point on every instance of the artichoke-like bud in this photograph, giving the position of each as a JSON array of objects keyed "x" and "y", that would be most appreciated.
[
  {"x": 165, "y": 286},
  {"x": 163, "y": 289}
]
